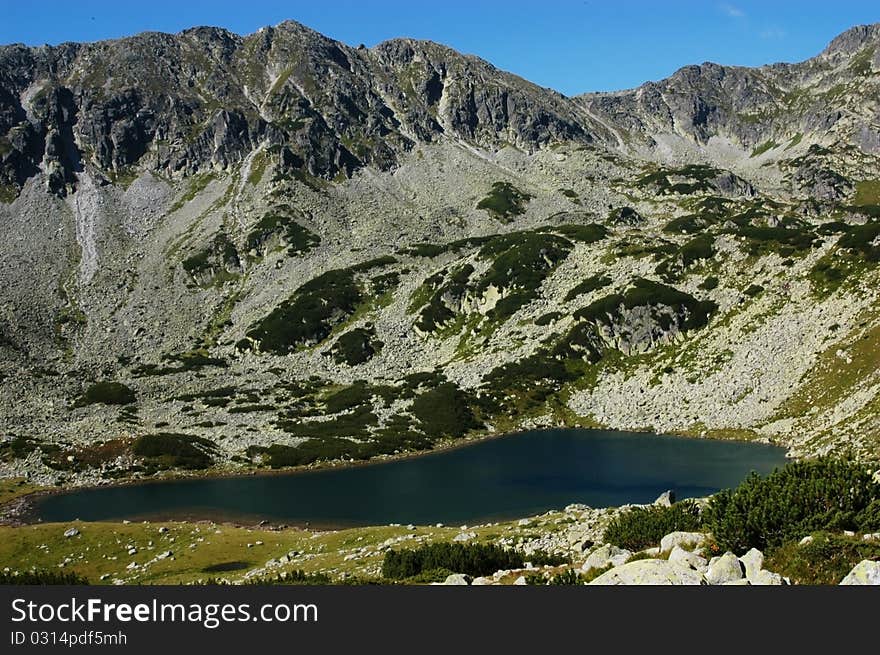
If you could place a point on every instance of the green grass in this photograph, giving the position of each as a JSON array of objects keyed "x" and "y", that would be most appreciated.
[
  {"x": 197, "y": 184},
  {"x": 824, "y": 561},
  {"x": 258, "y": 168},
  {"x": 867, "y": 193},
  {"x": 279, "y": 224},
  {"x": 796, "y": 139},
  {"x": 107, "y": 393},
  {"x": 504, "y": 202},
  {"x": 12, "y": 488},
  {"x": 764, "y": 147},
  {"x": 860, "y": 64},
  {"x": 310, "y": 314},
  {"x": 101, "y": 549},
  {"x": 8, "y": 193},
  {"x": 356, "y": 346},
  {"x": 590, "y": 284}
]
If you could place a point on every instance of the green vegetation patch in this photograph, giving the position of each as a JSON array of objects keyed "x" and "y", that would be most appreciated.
[
  {"x": 520, "y": 263},
  {"x": 469, "y": 559},
  {"x": 197, "y": 184},
  {"x": 107, "y": 393},
  {"x": 695, "y": 178},
  {"x": 764, "y": 147},
  {"x": 693, "y": 313},
  {"x": 826, "y": 560},
  {"x": 445, "y": 411},
  {"x": 166, "y": 450},
  {"x": 504, "y": 202},
  {"x": 642, "y": 527},
  {"x": 699, "y": 248},
  {"x": 356, "y": 346},
  {"x": 784, "y": 240},
  {"x": 443, "y": 293},
  {"x": 315, "y": 309},
  {"x": 590, "y": 284},
  {"x": 867, "y": 193},
  {"x": 856, "y": 249},
  {"x": 825, "y": 494},
  {"x": 279, "y": 226},
  {"x": 216, "y": 264}
]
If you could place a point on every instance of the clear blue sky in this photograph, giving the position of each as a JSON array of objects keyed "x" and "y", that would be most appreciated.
[{"x": 570, "y": 45}]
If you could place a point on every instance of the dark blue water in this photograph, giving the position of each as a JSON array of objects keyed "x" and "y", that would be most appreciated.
[{"x": 500, "y": 478}]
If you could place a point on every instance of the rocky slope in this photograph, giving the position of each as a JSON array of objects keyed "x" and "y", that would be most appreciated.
[{"x": 278, "y": 249}]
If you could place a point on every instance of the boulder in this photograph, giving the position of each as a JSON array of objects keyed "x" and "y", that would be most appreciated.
[
  {"x": 605, "y": 555},
  {"x": 521, "y": 580},
  {"x": 685, "y": 540},
  {"x": 666, "y": 498},
  {"x": 865, "y": 572},
  {"x": 806, "y": 541},
  {"x": 681, "y": 556},
  {"x": 465, "y": 536},
  {"x": 71, "y": 532},
  {"x": 742, "y": 582},
  {"x": 650, "y": 572},
  {"x": 726, "y": 568},
  {"x": 752, "y": 561},
  {"x": 457, "y": 579},
  {"x": 481, "y": 581},
  {"x": 765, "y": 578}
]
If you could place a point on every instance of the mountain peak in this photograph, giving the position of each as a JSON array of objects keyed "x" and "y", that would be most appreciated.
[{"x": 853, "y": 39}]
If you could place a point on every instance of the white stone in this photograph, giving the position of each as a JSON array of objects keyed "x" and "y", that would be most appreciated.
[
  {"x": 465, "y": 536},
  {"x": 685, "y": 540},
  {"x": 456, "y": 579},
  {"x": 71, "y": 532},
  {"x": 865, "y": 572},
  {"x": 665, "y": 499},
  {"x": 726, "y": 568},
  {"x": 753, "y": 561},
  {"x": 605, "y": 555},
  {"x": 691, "y": 560},
  {"x": 650, "y": 572},
  {"x": 765, "y": 578},
  {"x": 806, "y": 540},
  {"x": 521, "y": 580}
]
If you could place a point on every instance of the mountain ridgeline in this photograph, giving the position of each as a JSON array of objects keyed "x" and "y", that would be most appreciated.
[{"x": 277, "y": 249}]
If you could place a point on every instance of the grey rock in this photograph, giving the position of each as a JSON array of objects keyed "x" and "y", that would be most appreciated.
[
  {"x": 605, "y": 555},
  {"x": 689, "y": 559},
  {"x": 865, "y": 572},
  {"x": 71, "y": 532},
  {"x": 457, "y": 579},
  {"x": 725, "y": 568},
  {"x": 765, "y": 578},
  {"x": 752, "y": 561},
  {"x": 650, "y": 572},
  {"x": 685, "y": 540},
  {"x": 665, "y": 499}
]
